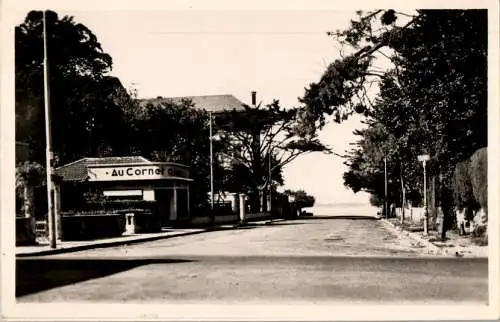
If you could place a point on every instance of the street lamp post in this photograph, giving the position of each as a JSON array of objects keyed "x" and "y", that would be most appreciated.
[
  {"x": 48, "y": 137},
  {"x": 211, "y": 164},
  {"x": 385, "y": 184},
  {"x": 270, "y": 179},
  {"x": 424, "y": 158}
]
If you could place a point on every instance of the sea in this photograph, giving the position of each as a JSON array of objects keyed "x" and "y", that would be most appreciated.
[{"x": 343, "y": 209}]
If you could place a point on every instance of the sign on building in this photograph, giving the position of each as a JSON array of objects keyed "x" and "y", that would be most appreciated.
[{"x": 153, "y": 171}]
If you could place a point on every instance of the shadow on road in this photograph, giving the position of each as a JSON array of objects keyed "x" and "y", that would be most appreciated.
[
  {"x": 277, "y": 223},
  {"x": 339, "y": 217},
  {"x": 35, "y": 275}
]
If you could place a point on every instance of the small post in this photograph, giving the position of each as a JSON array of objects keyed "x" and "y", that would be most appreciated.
[
  {"x": 242, "y": 207},
  {"x": 188, "y": 202},
  {"x": 293, "y": 210},
  {"x": 235, "y": 203}
]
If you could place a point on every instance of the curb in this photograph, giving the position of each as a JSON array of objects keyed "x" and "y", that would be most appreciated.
[
  {"x": 429, "y": 245},
  {"x": 108, "y": 244},
  {"x": 126, "y": 242}
]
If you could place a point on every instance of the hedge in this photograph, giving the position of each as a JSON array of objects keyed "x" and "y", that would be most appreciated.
[
  {"x": 479, "y": 177},
  {"x": 470, "y": 182}
]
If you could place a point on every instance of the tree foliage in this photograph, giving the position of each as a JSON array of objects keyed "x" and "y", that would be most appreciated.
[
  {"x": 30, "y": 173},
  {"x": 479, "y": 177},
  {"x": 428, "y": 101},
  {"x": 264, "y": 139},
  {"x": 29, "y": 176},
  {"x": 302, "y": 199},
  {"x": 86, "y": 113},
  {"x": 177, "y": 132}
]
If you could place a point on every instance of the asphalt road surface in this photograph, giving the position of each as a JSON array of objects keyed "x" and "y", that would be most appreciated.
[{"x": 310, "y": 259}]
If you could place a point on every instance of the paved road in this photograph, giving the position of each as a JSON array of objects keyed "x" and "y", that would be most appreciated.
[{"x": 317, "y": 259}]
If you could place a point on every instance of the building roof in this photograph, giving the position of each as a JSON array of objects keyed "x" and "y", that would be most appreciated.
[
  {"x": 210, "y": 103},
  {"x": 77, "y": 170}
]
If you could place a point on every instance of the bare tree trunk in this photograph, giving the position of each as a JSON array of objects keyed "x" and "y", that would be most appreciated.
[
  {"x": 403, "y": 200},
  {"x": 446, "y": 208},
  {"x": 432, "y": 202}
]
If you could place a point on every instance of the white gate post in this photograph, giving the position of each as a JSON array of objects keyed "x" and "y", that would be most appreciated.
[{"x": 242, "y": 207}]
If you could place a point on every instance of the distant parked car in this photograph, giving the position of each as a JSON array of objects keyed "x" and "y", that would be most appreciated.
[{"x": 305, "y": 213}]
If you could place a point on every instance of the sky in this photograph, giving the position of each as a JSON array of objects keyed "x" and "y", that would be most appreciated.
[{"x": 275, "y": 53}]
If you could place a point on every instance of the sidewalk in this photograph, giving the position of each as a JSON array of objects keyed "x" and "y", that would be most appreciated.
[
  {"x": 125, "y": 239},
  {"x": 73, "y": 246},
  {"x": 454, "y": 245}
]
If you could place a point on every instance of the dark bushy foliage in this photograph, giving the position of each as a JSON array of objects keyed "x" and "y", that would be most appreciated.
[
  {"x": 302, "y": 199},
  {"x": 480, "y": 235},
  {"x": 376, "y": 201},
  {"x": 479, "y": 177},
  {"x": 462, "y": 187},
  {"x": 470, "y": 182}
]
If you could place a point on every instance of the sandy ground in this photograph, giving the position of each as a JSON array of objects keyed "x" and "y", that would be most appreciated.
[{"x": 307, "y": 259}]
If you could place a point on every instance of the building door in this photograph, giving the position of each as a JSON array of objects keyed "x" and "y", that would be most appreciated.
[
  {"x": 182, "y": 204},
  {"x": 163, "y": 198}
]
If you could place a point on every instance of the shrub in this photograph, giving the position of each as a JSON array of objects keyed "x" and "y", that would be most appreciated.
[
  {"x": 302, "y": 199},
  {"x": 376, "y": 201},
  {"x": 470, "y": 183},
  {"x": 462, "y": 185},
  {"x": 480, "y": 235}
]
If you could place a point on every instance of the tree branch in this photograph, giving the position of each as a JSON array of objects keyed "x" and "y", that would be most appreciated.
[
  {"x": 367, "y": 51},
  {"x": 271, "y": 137},
  {"x": 292, "y": 157}
]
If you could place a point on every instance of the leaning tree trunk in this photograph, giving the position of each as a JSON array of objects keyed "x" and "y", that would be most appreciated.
[
  {"x": 403, "y": 195},
  {"x": 431, "y": 197},
  {"x": 447, "y": 211}
]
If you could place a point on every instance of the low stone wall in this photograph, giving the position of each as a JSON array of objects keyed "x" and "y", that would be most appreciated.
[
  {"x": 221, "y": 219},
  {"x": 229, "y": 219},
  {"x": 226, "y": 219},
  {"x": 258, "y": 216},
  {"x": 84, "y": 227}
]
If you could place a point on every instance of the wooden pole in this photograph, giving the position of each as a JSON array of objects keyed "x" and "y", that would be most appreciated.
[
  {"x": 48, "y": 137},
  {"x": 270, "y": 180},
  {"x": 211, "y": 165},
  {"x": 385, "y": 175},
  {"x": 426, "y": 213}
]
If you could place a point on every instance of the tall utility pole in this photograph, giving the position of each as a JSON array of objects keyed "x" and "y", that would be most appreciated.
[
  {"x": 256, "y": 142},
  {"x": 385, "y": 184},
  {"x": 424, "y": 158},
  {"x": 48, "y": 138},
  {"x": 211, "y": 164},
  {"x": 270, "y": 178}
]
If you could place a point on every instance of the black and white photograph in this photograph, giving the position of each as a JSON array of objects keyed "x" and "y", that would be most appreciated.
[{"x": 204, "y": 161}]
